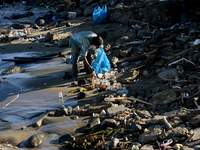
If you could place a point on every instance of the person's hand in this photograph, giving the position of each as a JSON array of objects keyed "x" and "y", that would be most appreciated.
[{"x": 94, "y": 74}]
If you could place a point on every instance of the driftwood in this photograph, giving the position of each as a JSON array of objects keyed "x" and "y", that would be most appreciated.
[{"x": 132, "y": 98}]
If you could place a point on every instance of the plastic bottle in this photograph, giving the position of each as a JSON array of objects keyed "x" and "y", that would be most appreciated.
[
  {"x": 95, "y": 115},
  {"x": 109, "y": 99},
  {"x": 60, "y": 95}
]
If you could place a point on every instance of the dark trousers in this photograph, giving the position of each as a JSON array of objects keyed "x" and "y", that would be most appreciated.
[{"x": 75, "y": 55}]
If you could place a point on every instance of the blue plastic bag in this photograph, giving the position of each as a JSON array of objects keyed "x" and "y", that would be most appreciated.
[
  {"x": 101, "y": 63},
  {"x": 100, "y": 15}
]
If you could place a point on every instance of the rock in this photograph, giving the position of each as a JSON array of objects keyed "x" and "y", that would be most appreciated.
[
  {"x": 195, "y": 121},
  {"x": 34, "y": 140},
  {"x": 49, "y": 120},
  {"x": 114, "y": 60},
  {"x": 109, "y": 123},
  {"x": 17, "y": 26},
  {"x": 126, "y": 77},
  {"x": 40, "y": 22},
  {"x": 196, "y": 147},
  {"x": 71, "y": 15},
  {"x": 143, "y": 33},
  {"x": 168, "y": 74},
  {"x": 92, "y": 124},
  {"x": 144, "y": 114},
  {"x": 112, "y": 111},
  {"x": 65, "y": 137},
  {"x": 60, "y": 9},
  {"x": 64, "y": 42},
  {"x": 122, "y": 40},
  {"x": 38, "y": 121},
  {"x": 79, "y": 12},
  {"x": 114, "y": 142},
  {"x": 5, "y": 126},
  {"x": 155, "y": 120},
  {"x": 8, "y": 147},
  {"x": 61, "y": 111},
  {"x": 157, "y": 34},
  {"x": 135, "y": 127},
  {"x": 147, "y": 147},
  {"x": 88, "y": 11},
  {"x": 35, "y": 26},
  {"x": 134, "y": 144},
  {"x": 193, "y": 143},
  {"x": 164, "y": 97},
  {"x": 176, "y": 132},
  {"x": 49, "y": 37},
  {"x": 186, "y": 114},
  {"x": 11, "y": 70},
  {"x": 150, "y": 136},
  {"x": 17, "y": 136},
  {"x": 175, "y": 121}
]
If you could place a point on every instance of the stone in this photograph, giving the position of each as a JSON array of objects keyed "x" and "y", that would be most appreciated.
[
  {"x": 144, "y": 114},
  {"x": 176, "y": 132},
  {"x": 143, "y": 33},
  {"x": 150, "y": 136},
  {"x": 134, "y": 127},
  {"x": 112, "y": 111},
  {"x": 109, "y": 123},
  {"x": 79, "y": 12},
  {"x": 17, "y": 26},
  {"x": 8, "y": 147},
  {"x": 114, "y": 60},
  {"x": 61, "y": 111},
  {"x": 126, "y": 77},
  {"x": 88, "y": 11},
  {"x": 48, "y": 120},
  {"x": 35, "y": 140},
  {"x": 49, "y": 37},
  {"x": 39, "y": 120},
  {"x": 186, "y": 114},
  {"x": 65, "y": 138},
  {"x": 35, "y": 26},
  {"x": 11, "y": 70},
  {"x": 114, "y": 142},
  {"x": 122, "y": 40},
  {"x": 5, "y": 126},
  {"x": 155, "y": 120},
  {"x": 164, "y": 97},
  {"x": 175, "y": 121},
  {"x": 93, "y": 123},
  {"x": 157, "y": 34},
  {"x": 168, "y": 74},
  {"x": 64, "y": 42},
  {"x": 147, "y": 147},
  {"x": 196, "y": 147},
  {"x": 134, "y": 144},
  {"x": 17, "y": 136},
  {"x": 40, "y": 22},
  {"x": 195, "y": 121}
]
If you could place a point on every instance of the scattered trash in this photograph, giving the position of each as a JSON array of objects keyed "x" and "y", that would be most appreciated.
[{"x": 166, "y": 143}]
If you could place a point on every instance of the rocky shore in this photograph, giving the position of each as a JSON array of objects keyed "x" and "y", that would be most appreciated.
[{"x": 150, "y": 98}]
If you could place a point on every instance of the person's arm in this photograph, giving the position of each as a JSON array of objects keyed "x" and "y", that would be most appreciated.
[{"x": 85, "y": 61}]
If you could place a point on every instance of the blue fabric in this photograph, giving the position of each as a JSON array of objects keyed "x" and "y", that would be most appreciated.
[
  {"x": 100, "y": 15},
  {"x": 101, "y": 63}
]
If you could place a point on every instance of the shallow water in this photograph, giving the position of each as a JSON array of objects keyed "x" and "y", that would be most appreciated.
[{"x": 19, "y": 8}]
